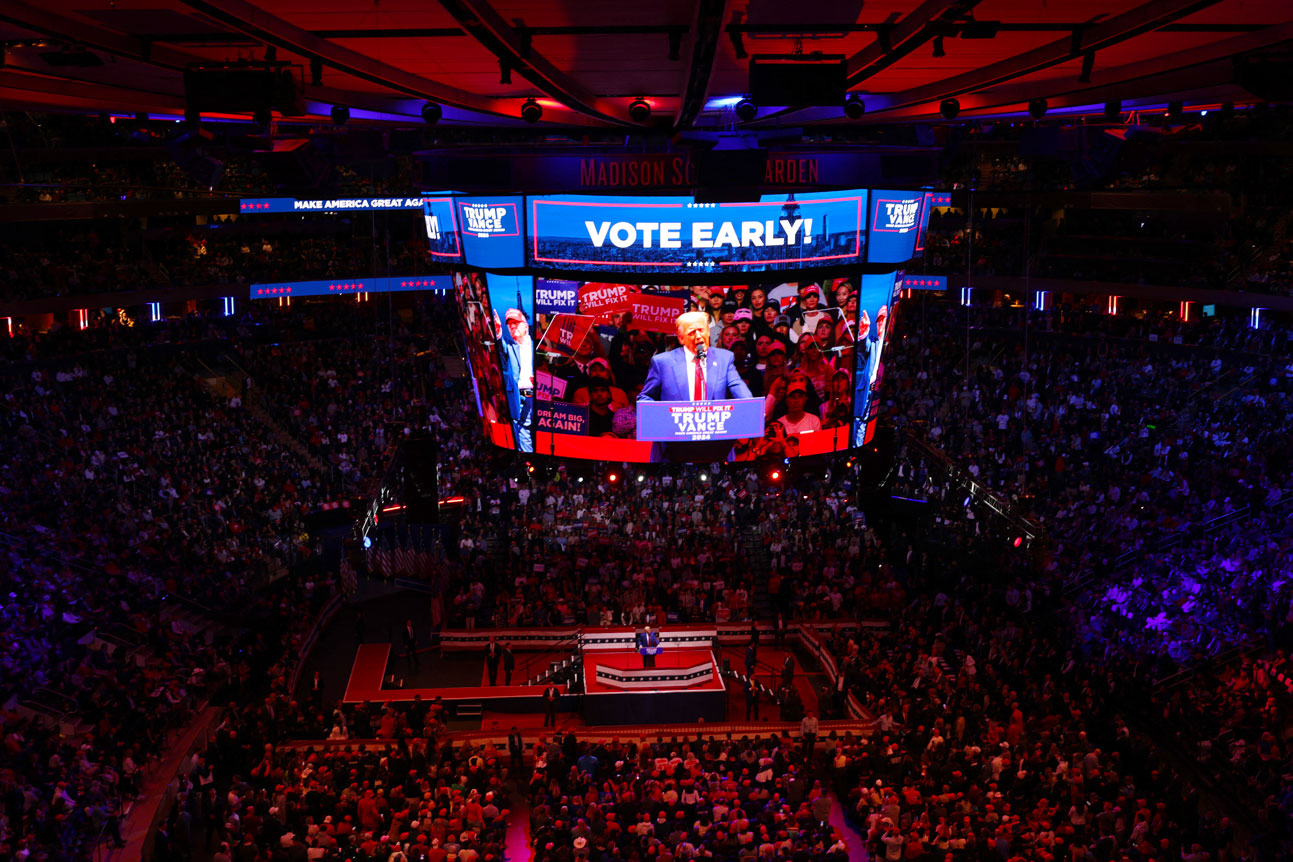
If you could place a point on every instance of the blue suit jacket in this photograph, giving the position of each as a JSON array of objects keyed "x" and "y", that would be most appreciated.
[{"x": 667, "y": 378}]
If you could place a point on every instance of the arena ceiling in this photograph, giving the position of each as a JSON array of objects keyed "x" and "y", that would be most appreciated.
[{"x": 584, "y": 61}]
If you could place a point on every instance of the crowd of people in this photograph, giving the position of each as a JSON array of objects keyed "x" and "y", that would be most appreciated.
[
  {"x": 78, "y": 262},
  {"x": 148, "y": 520},
  {"x": 1006, "y": 712}
]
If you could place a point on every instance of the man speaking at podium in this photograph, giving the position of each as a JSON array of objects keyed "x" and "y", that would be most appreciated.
[
  {"x": 648, "y": 645},
  {"x": 693, "y": 372}
]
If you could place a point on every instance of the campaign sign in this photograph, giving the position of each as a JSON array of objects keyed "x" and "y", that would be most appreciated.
[
  {"x": 657, "y": 313},
  {"x": 694, "y": 421},
  {"x": 677, "y": 234},
  {"x": 549, "y": 387},
  {"x": 565, "y": 333},
  {"x": 556, "y": 297},
  {"x": 562, "y": 418},
  {"x": 442, "y": 228},
  {"x": 490, "y": 228},
  {"x": 895, "y": 224},
  {"x": 602, "y": 300}
]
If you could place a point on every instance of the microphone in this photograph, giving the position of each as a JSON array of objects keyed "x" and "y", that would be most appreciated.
[{"x": 700, "y": 351}]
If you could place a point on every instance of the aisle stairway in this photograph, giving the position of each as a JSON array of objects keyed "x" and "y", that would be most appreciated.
[{"x": 756, "y": 556}]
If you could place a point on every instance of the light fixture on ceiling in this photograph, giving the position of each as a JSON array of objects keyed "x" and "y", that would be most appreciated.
[
  {"x": 949, "y": 108},
  {"x": 639, "y": 110},
  {"x": 1037, "y": 108},
  {"x": 938, "y": 47},
  {"x": 854, "y": 107},
  {"x": 746, "y": 110},
  {"x": 431, "y": 113},
  {"x": 1113, "y": 110},
  {"x": 531, "y": 111},
  {"x": 340, "y": 115}
]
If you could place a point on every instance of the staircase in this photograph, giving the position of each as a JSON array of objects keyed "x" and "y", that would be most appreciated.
[
  {"x": 557, "y": 669},
  {"x": 756, "y": 556}
]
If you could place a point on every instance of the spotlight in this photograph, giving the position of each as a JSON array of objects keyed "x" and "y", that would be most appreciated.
[
  {"x": 776, "y": 475},
  {"x": 854, "y": 107},
  {"x": 704, "y": 477},
  {"x": 949, "y": 108},
  {"x": 531, "y": 111},
  {"x": 641, "y": 478},
  {"x": 1037, "y": 108},
  {"x": 746, "y": 110},
  {"x": 1019, "y": 540},
  {"x": 938, "y": 47},
  {"x": 431, "y": 113},
  {"x": 614, "y": 477},
  {"x": 340, "y": 115},
  {"x": 965, "y": 504},
  {"x": 639, "y": 110},
  {"x": 1113, "y": 110}
]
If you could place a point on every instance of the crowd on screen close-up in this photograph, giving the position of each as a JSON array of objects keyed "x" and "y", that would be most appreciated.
[{"x": 1037, "y": 606}]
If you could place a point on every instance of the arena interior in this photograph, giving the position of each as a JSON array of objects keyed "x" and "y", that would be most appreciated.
[{"x": 687, "y": 431}]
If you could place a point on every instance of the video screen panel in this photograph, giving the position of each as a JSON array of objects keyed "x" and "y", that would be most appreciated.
[
  {"x": 791, "y": 356},
  {"x": 491, "y": 230},
  {"x": 896, "y": 218},
  {"x": 481, "y": 336},
  {"x": 876, "y": 301},
  {"x": 678, "y": 234}
]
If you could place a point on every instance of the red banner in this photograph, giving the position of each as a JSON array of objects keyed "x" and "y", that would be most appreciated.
[
  {"x": 657, "y": 313},
  {"x": 602, "y": 300}
]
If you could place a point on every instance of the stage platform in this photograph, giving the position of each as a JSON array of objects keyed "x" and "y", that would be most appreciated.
[{"x": 684, "y": 686}]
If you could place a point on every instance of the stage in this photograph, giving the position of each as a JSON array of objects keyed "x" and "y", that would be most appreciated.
[{"x": 684, "y": 685}]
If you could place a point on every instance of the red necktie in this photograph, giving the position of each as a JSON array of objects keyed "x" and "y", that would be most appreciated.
[{"x": 700, "y": 381}]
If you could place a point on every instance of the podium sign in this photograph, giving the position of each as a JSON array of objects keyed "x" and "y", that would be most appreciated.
[{"x": 694, "y": 421}]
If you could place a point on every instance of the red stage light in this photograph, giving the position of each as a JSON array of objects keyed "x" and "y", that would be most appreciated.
[{"x": 1018, "y": 541}]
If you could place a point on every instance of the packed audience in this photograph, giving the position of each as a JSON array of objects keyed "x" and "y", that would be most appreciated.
[
  {"x": 1006, "y": 715},
  {"x": 76, "y": 262}
]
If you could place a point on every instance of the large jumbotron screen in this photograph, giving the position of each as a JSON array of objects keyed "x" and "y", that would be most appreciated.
[
  {"x": 559, "y": 367},
  {"x": 608, "y": 369}
]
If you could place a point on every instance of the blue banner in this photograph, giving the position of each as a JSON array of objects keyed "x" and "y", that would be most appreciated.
[
  {"x": 442, "y": 228},
  {"x": 562, "y": 418},
  {"x": 556, "y": 297},
  {"x": 924, "y": 282},
  {"x": 693, "y": 421},
  {"x": 677, "y": 234},
  {"x": 335, "y": 286},
  {"x": 491, "y": 230},
  {"x": 328, "y": 205},
  {"x": 895, "y": 223}
]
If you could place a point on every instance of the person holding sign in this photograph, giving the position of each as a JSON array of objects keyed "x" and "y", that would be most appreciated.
[{"x": 693, "y": 372}]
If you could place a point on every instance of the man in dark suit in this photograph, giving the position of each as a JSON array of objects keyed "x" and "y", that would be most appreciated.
[
  {"x": 550, "y": 695},
  {"x": 515, "y": 746},
  {"x": 788, "y": 672},
  {"x": 648, "y": 640},
  {"x": 509, "y": 664},
  {"x": 410, "y": 644},
  {"x": 492, "y": 655},
  {"x": 682, "y": 375},
  {"x": 693, "y": 372}
]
